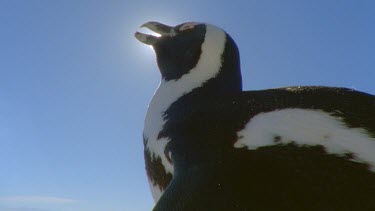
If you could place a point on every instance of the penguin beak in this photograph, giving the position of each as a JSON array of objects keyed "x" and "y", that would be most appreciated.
[{"x": 159, "y": 28}]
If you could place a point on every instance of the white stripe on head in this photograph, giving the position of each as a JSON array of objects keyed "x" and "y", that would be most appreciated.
[
  {"x": 308, "y": 127},
  {"x": 187, "y": 26}
]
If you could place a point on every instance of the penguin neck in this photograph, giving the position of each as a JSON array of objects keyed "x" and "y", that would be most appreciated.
[
  {"x": 224, "y": 81},
  {"x": 227, "y": 82}
]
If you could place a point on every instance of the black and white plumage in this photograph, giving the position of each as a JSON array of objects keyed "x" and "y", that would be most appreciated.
[{"x": 211, "y": 146}]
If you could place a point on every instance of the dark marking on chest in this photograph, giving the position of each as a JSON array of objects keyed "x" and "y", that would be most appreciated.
[{"x": 156, "y": 170}]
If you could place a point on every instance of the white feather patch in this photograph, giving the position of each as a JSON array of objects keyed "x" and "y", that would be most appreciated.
[
  {"x": 156, "y": 191},
  {"x": 308, "y": 127},
  {"x": 168, "y": 92},
  {"x": 187, "y": 26}
]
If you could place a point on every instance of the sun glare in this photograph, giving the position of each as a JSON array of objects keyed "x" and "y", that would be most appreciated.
[
  {"x": 148, "y": 31},
  {"x": 140, "y": 50}
]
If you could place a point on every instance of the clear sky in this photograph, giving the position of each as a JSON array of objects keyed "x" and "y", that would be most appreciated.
[{"x": 75, "y": 84}]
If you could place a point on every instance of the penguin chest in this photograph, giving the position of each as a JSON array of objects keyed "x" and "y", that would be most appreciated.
[{"x": 158, "y": 166}]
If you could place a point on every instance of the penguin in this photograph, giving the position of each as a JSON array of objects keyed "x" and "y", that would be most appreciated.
[{"x": 209, "y": 145}]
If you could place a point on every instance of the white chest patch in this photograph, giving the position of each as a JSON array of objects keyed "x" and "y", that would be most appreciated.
[
  {"x": 156, "y": 191},
  {"x": 168, "y": 92},
  {"x": 307, "y": 127}
]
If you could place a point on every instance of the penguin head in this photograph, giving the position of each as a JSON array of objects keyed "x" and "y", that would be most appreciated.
[{"x": 193, "y": 51}]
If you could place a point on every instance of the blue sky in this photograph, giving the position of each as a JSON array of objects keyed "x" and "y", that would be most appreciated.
[{"x": 75, "y": 84}]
